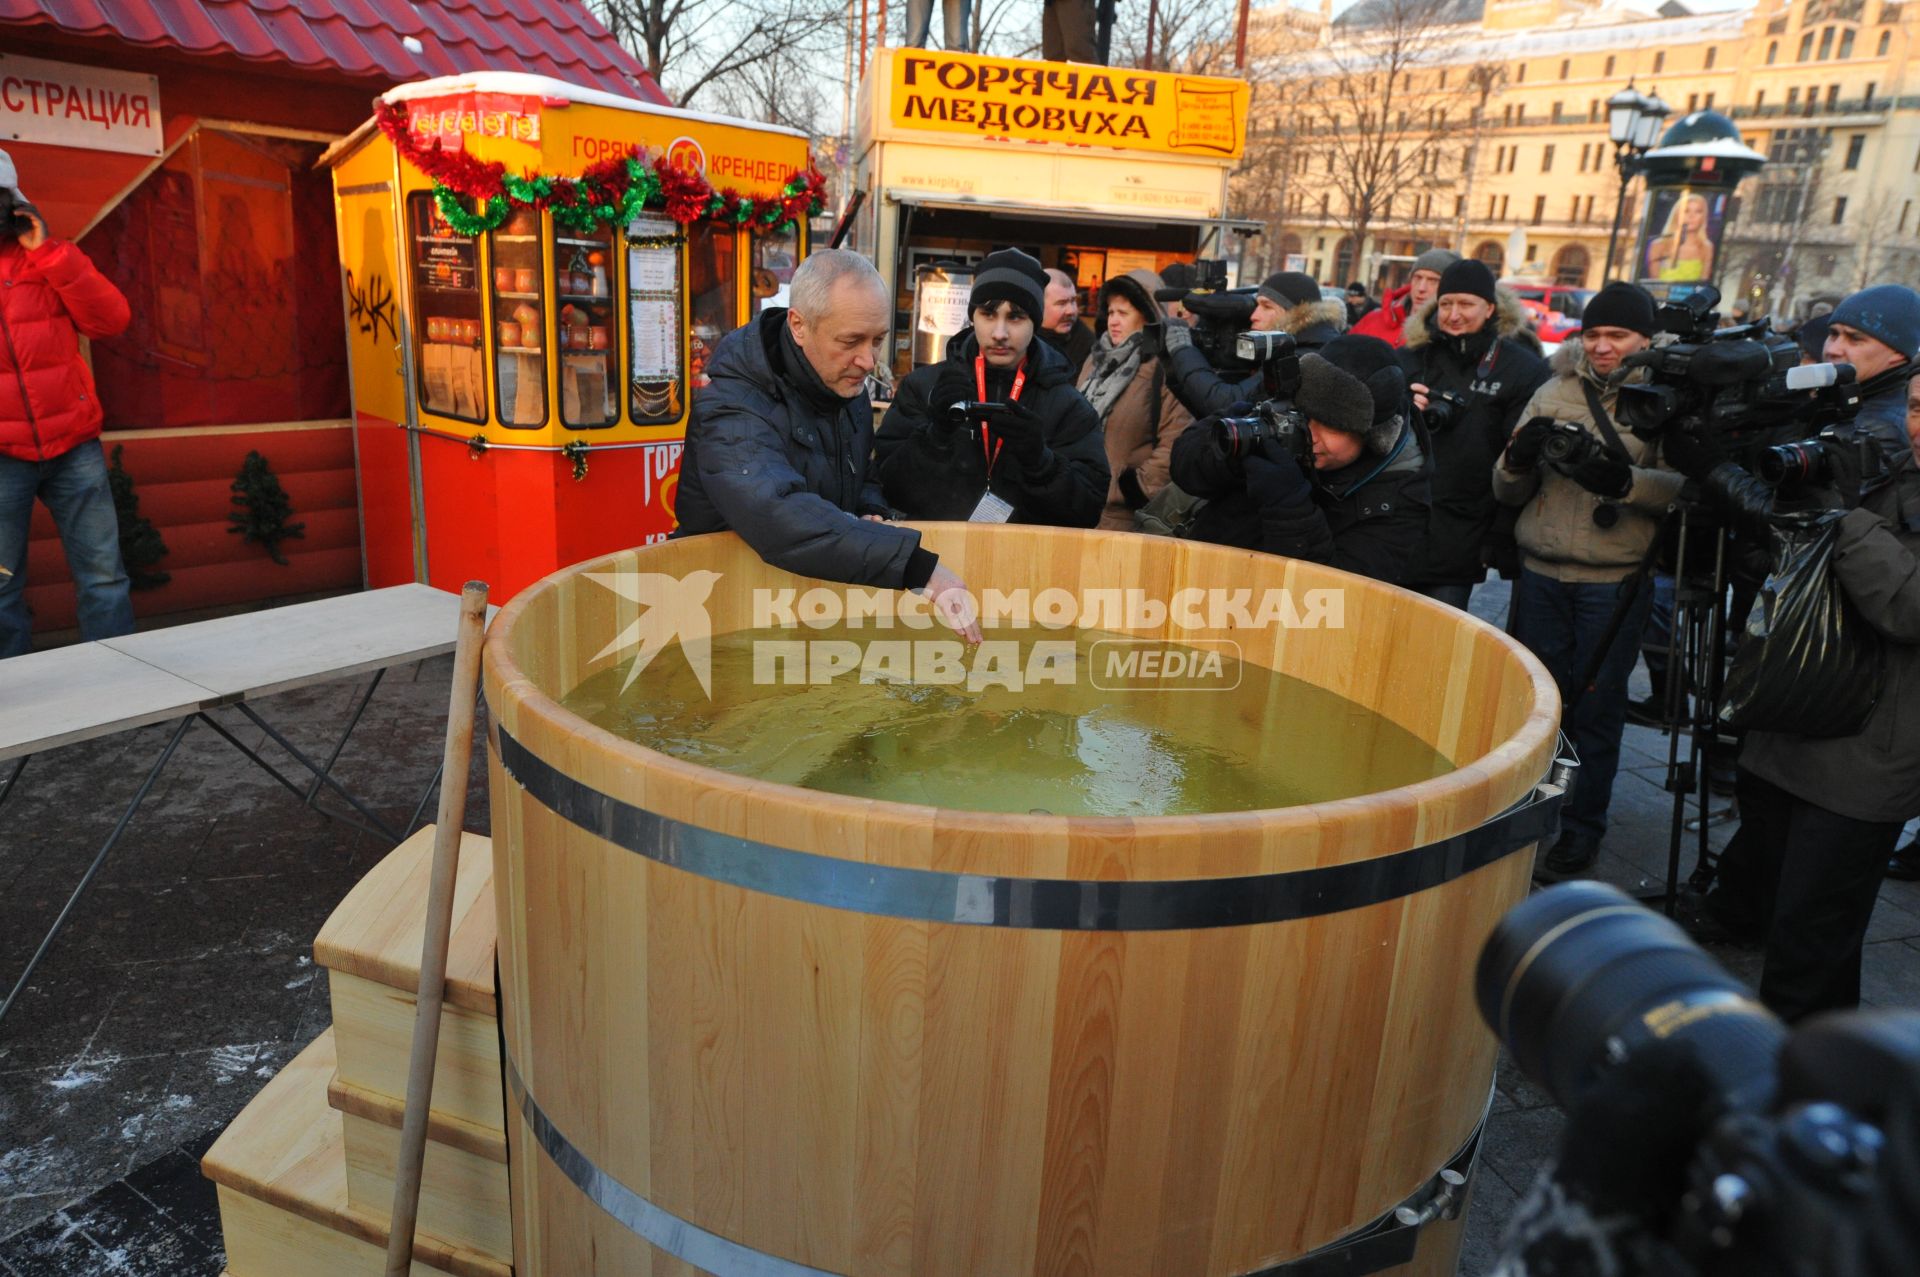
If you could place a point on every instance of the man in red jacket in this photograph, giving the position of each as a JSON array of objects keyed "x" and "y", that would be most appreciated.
[
  {"x": 1388, "y": 320},
  {"x": 50, "y": 420}
]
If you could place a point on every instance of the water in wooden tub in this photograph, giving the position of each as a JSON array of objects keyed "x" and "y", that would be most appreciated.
[{"x": 1069, "y": 722}]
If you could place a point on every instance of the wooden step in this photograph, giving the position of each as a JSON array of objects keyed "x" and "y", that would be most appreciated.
[
  {"x": 281, "y": 1170},
  {"x": 371, "y": 949},
  {"x": 463, "y": 1184}
]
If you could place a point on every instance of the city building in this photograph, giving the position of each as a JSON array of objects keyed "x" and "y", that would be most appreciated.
[{"x": 1501, "y": 119}]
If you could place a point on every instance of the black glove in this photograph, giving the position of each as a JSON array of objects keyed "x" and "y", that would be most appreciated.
[
  {"x": 1739, "y": 494},
  {"x": 1026, "y": 436},
  {"x": 1689, "y": 454},
  {"x": 1271, "y": 482},
  {"x": 1606, "y": 472},
  {"x": 1131, "y": 492},
  {"x": 1523, "y": 450},
  {"x": 950, "y": 386}
]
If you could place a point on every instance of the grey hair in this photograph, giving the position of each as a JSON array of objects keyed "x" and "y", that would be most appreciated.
[
  {"x": 1060, "y": 277},
  {"x": 811, "y": 292}
]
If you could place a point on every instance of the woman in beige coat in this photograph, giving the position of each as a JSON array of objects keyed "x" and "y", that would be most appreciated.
[{"x": 1126, "y": 384}]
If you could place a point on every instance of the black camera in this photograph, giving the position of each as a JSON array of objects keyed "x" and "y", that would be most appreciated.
[
  {"x": 1773, "y": 1145},
  {"x": 1444, "y": 408},
  {"x": 1209, "y": 275},
  {"x": 970, "y": 415},
  {"x": 1276, "y": 356},
  {"x": 1736, "y": 385},
  {"x": 1274, "y": 428},
  {"x": 1787, "y": 464},
  {"x": 1567, "y": 445},
  {"x": 1218, "y": 320}
]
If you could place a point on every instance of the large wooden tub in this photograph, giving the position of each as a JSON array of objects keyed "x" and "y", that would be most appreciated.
[{"x": 758, "y": 1029}]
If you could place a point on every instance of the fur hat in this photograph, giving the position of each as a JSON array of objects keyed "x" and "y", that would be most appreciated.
[
  {"x": 1289, "y": 288},
  {"x": 1010, "y": 276},
  {"x": 1888, "y": 313},
  {"x": 1139, "y": 287},
  {"x": 1354, "y": 384}
]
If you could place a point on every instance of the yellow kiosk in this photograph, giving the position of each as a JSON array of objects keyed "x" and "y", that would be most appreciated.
[
  {"x": 1094, "y": 170},
  {"x": 535, "y": 273}
]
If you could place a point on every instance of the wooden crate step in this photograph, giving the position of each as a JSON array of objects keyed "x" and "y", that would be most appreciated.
[
  {"x": 463, "y": 1188},
  {"x": 373, "y": 1038},
  {"x": 375, "y": 932},
  {"x": 281, "y": 1169}
]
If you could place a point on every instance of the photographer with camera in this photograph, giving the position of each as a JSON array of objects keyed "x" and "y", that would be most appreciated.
[
  {"x": 1591, "y": 499},
  {"x": 1337, "y": 477},
  {"x": 1820, "y": 816},
  {"x": 50, "y": 296},
  {"x": 1470, "y": 375},
  {"x": 1286, "y": 302},
  {"x": 995, "y": 431}
]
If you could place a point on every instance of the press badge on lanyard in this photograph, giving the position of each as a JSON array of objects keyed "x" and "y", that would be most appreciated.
[{"x": 991, "y": 509}]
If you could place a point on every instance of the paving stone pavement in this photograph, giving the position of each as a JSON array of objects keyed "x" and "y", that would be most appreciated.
[{"x": 185, "y": 980}]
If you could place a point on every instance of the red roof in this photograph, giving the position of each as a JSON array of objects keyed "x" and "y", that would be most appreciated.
[{"x": 367, "y": 38}]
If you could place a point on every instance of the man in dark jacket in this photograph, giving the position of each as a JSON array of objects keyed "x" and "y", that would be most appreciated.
[
  {"x": 1358, "y": 503},
  {"x": 778, "y": 444},
  {"x": 1040, "y": 460},
  {"x": 1819, "y": 817},
  {"x": 1287, "y": 302},
  {"x": 1465, "y": 344},
  {"x": 1061, "y": 327},
  {"x": 1359, "y": 305}
]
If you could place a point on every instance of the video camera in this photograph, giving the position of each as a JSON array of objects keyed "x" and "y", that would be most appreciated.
[
  {"x": 1220, "y": 314},
  {"x": 1732, "y": 1146},
  {"x": 1735, "y": 387}
]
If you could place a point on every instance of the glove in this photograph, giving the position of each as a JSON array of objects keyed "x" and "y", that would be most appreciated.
[
  {"x": 1523, "y": 450},
  {"x": 1131, "y": 492},
  {"x": 1687, "y": 453},
  {"x": 1026, "y": 436},
  {"x": 1742, "y": 496},
  {"x": 950, "y": 387},
  {"x": 1174, "y": 335},
  {"x": 1271, "y": 482},
  {"x": 1606, "y": 472}
]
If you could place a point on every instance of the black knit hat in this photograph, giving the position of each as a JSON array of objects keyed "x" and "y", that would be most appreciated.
[
  {"x": 1620, "y": 305},
  {"x": 1010, "y": 276},
  {"x": 1290, "y": 288},
  {"x": 1354, "y": 384},
  {"x": 1470, "y": 276}
]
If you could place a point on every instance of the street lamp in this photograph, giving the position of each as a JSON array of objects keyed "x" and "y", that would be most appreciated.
[{"x": 1633, "y": 123}]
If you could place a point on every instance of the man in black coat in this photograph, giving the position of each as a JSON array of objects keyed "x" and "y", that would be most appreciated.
[
  {"x": 778, "y": 444},
  {"x": 1061, "y": 327},
  {"x": 1467, "y": 343},
  {"x": 1287, "y": 301},
  {"x": 1040, "y": 459},
  {"x": 1358, "y": 502}
]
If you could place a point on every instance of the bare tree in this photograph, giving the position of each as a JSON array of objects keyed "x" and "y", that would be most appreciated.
[
  {"x": 1194, "y": 36},
  {"x": 1777, "y": 218},
  {"x": 1878, "y": 232},
  {"x": 1378, "y": 106},
  {"x": 690, "y": 45}
]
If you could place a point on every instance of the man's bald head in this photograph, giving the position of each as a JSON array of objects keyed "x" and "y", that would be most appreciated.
[{"x": 1063, "y": 302}]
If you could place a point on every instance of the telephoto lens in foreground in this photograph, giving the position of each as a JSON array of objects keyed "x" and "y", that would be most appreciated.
[{"x": 1579, "y": 977}]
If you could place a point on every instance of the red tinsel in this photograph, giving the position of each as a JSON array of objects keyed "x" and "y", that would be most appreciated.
[{"x": 686, "y": 196}]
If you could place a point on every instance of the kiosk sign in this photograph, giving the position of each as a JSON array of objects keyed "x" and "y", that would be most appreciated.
[
  {"x": 450, "y": 121},
  {"x": 64, "y": 104},
  {"x": 1078, "y": 105}
]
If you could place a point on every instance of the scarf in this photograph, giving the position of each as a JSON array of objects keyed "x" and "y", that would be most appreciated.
[
  {"x": 1112, "y": 371},
  {"x": 800, "y": 375}
]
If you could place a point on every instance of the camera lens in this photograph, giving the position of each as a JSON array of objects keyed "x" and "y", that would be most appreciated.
[
  {"x": 1566, "y": 447},
  {"x": 1793, "y": 463},
  {"x": 1580, "y": 976},
  {"x": 1234, "y": 436}
]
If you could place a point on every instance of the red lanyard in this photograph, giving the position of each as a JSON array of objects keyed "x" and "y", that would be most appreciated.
[{"x": 989, "y": 449}]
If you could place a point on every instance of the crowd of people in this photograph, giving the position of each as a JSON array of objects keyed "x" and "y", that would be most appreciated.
[{"x": 1432, "y": 443}]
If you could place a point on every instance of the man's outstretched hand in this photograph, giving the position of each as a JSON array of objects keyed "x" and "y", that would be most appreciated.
[{"x": 952, "y": 604}]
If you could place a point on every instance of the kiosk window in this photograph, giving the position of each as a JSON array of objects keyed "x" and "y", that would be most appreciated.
[
  {"x": 583, "y": 285},
  {"x": 775, "y": 258},
  {"x": 520, "y": 322},
  {"x": 656, "y": 317},
  {"x": 446, "y": 314},
  {"x": 715, "y": 286}
]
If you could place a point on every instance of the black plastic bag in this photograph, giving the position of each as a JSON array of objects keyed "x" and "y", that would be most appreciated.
[{"x": 1809, "y": 665}]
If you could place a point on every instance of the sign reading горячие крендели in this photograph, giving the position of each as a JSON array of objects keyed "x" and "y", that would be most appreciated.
[{"x": 1068, "y": 103}]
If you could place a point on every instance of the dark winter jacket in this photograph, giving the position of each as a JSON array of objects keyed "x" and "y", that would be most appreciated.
[
  {"x": 49, "y": 298},
  {"x": 931, "y": 470},
  {"x": 1497, "y": 372},
  {"x": 1368, "y": 518},
  {"x": 1075, "y": 344},
  {"x": 770, "y": 458},
  {"x": 1874, "y": 775},
  {"x": 1205, "y": 392}
]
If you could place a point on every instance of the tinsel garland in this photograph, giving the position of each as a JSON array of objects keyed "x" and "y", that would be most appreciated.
[{"x": 613, "y": 191}]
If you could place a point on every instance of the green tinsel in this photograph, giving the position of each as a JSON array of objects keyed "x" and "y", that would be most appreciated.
[{"x": 465, "y": 223}]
